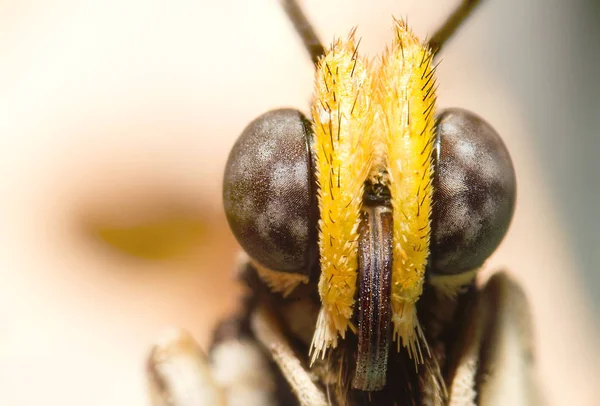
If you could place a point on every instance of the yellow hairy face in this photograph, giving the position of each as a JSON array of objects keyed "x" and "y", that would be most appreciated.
[{"x": 373, "y": 120}]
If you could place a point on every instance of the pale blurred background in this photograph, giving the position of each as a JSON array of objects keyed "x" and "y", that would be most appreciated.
[{"x": 116, "y": 118}]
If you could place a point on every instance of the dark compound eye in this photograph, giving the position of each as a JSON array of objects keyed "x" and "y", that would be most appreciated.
[
  {"x": 474, "y": 193},
  {"x": 268, "y": 191}
]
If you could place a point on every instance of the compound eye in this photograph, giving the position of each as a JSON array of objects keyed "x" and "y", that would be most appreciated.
[
  {"x": 474, "y": 193},
  {"x": 268, "y": 191}
]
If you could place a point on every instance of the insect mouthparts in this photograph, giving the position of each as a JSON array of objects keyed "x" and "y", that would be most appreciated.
[
  {"x": 373, "y": 147},
  {"x": 375, "y": 259}
]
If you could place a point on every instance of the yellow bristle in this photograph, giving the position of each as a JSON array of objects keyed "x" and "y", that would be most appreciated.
[
  {"x": 342, "y": 146},
  {"x": 373, "y": 122},
  {"x": 406, "y": 98}
]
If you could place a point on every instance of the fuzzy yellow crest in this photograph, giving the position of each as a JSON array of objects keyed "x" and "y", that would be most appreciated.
[
  {"x": 407, "y": 99},
  {"x": 373, "y": 120},
  {"x": 342, "y": 128}
]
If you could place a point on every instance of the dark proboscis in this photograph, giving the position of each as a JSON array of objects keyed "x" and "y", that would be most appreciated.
[{"x": 375, "y": 281}]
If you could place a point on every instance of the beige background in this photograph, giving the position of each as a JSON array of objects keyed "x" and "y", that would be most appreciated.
[{"x": 116, "y": 118}]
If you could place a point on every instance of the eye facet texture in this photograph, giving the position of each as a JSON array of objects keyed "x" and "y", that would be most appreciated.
[
  {"x": 474, "y": 193},
  {"x": 268, "y": 191}
]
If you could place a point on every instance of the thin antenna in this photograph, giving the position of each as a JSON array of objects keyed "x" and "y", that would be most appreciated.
[
  {"x": 452, "y": 23},
  {"x": 304, "y": 28}
]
